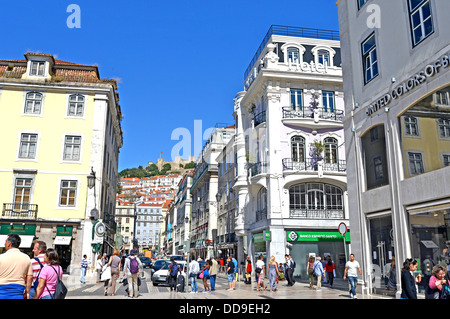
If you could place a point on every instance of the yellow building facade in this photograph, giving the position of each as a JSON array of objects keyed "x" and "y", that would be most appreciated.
[{"x": 60, "y": 123}]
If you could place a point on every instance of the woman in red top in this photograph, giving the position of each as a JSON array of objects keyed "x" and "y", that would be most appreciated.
[{"x": 329, "y": 269}]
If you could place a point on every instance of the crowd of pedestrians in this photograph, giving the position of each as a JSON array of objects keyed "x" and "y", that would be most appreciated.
[{"x": 39, "y": 277}]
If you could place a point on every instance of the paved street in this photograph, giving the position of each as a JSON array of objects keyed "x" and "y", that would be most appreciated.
[{"x": 300, "y": 290}]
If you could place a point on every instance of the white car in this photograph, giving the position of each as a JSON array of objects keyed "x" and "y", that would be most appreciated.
[{"x": 162, "y": 276}]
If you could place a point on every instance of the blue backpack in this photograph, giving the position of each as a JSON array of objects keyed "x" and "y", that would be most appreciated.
[
  {"x": 174, "y": 270},
  {"x": 134, "y": 266}
]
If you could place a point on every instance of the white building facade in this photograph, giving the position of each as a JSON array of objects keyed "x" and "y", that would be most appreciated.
[
  {"x": 291, "y": 185},
  {"x": 395, "y": 56}
]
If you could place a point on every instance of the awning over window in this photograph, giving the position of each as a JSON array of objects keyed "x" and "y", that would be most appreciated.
[
  {"x": 26, "y": 241},
  {"x": 62, "y": 240}
]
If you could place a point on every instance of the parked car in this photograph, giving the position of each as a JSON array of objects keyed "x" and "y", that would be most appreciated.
[
  {"x": 176, "y": 257},
  {"x": 146, "y": 262},
  {"x": 158, "y": 264},
  {"x": 162, "y": 275}
]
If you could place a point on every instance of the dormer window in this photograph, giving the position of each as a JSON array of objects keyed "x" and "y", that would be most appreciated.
[
  {"x": 37, "y": 68},
  {"x": 293, "y": 52},
  {"x": 323, "y": 54}
]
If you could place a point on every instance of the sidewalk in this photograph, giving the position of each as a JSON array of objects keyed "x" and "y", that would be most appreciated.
[{"x": 300, "y": 290}]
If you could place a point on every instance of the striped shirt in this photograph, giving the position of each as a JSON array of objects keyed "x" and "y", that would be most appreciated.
[
  {"x": 35, "y": 265},
  {"x": 84, "y": 263}
]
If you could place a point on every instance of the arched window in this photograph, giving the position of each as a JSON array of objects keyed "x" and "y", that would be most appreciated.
[
  {"x": 331, "y": 150},
  {"x": 298, "y": 149},
  {"x": 316, "y": 200},
  {"x": 33, "y": 103}
]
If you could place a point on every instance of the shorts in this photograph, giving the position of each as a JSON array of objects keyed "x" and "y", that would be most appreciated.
[{"x": 230, "y": 277}]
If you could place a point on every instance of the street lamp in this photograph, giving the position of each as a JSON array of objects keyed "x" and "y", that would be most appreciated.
[
  {"x": 187, "y": 246},
  {"x": 91, "y": 179}
]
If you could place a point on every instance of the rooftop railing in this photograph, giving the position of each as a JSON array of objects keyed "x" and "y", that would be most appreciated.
[{"x": 293, "y": 32}]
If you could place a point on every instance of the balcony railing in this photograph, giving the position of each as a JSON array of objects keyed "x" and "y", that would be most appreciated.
[
  {"x": 317, "y": 213},
  {"x": 258, "y": 168},
  {"x": 310, "y": 165},
  {"x": 261, "y": 214},
  {"x": 20, "y": 211},
  {"x": 305, "y": 112},
  {"x": 293, "y": 32},
  {"x": 259, "y": 118}
]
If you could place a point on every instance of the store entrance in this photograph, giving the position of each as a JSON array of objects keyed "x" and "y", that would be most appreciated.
[{"x": 65, "y": 256}]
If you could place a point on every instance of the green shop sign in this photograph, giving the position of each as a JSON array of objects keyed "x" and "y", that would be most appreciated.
[
  {"x": 260, "y": 237},
  {"x": 18, "y": 229},
  {"x": 315, "y": 236},
  {"x": 64, "y": 231}
]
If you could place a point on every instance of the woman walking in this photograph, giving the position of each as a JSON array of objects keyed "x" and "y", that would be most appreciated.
[
  {"x": 114, "y": 263},
  {"x": 205, "y": 272},
  {"x": 273, "y": 274},
  {"x": 260, "y": 269},
  {"x": 48, "y": 277},
  {"x": 310, "y": 271},
  {"x": 99, "y": 267},
  {"x": 407, "y": 279}
]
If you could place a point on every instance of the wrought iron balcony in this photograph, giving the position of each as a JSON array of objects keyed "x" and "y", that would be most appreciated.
[
  {"x": 20, "y": 211},
  {"x": 308, "y": 164},
  {"x": 258, "y": 168},
  {"x": 261, "y": 214},
  {"x": 328, "y": 213},
  {"x": 259, "y": 118},
  {"x": 306, "y": 113}
]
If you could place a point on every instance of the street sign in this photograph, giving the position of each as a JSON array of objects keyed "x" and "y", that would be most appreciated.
[{"x": 342, "y": 228}]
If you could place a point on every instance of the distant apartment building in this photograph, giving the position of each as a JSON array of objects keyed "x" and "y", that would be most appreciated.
[
  {"x": 62, "y": 127},
  {"x": 203, "y": 221},
  {"x": 397, "y": 132}
]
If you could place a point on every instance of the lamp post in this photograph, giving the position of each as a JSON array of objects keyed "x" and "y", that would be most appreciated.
[{"x": 187, "y": 245}]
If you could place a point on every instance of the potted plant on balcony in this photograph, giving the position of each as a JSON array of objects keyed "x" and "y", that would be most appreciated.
[
  {"x": 314, "y": 104},
  {"x": 315, "y": 151}
]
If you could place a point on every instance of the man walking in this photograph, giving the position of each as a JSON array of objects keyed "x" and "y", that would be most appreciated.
[
  {"x": 173, "y": 274},
  {"x": 84, "y": 266},
  {"x": 351, "y": 268},
  {"x": 37, "y": 262},
  {"x": 131, "y": 268},
  {"x": 318, "y": 272},
  {"x": 235, "y": 271},
  {"x": 15, "y": 270},
  {"x": 289, "y": 270},
  {"x": 194, "y": 269},
  {"x": 213, "y": 270}
]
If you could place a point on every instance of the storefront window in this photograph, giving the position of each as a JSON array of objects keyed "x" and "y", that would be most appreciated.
[
  {"x": 429, "y": 241},
  {"x": 383, "y": 257},
  {"x": 425, "y": 134}
]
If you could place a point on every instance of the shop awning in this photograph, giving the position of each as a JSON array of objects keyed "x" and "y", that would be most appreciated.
[
  {"x": 26, "y": 241},
  {"x": 62, "y": 240}
]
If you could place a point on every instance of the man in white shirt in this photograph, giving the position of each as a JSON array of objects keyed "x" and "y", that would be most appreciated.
[
  {"x": 194, "y": 269},
  {"x": 351, "y": 268}
]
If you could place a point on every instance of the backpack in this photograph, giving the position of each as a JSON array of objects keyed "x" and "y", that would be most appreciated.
[
  {"x": 293, "y": 264},
  {"x": 134, "y": 266},
  {"x": 36, "y": 282},
  {"x": 445, "y": 292},
  {"x": 174, "y": 270},
  {"x": 60, "y": 290}
]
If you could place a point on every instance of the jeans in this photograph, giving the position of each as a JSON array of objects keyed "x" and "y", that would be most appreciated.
[
  {"x": 83, "y": 274},
  {"x": 353, "y": 281},
  {"x": 212, "y": 280},
  {"x": 194, "y": 285}
]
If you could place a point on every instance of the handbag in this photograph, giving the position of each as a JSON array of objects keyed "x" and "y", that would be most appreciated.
[
  {"x": 106, "y": 273},
  {"x": 201, "y": 275}
]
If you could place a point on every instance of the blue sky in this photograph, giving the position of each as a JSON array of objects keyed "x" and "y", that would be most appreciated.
[{"x": 177, "y": 61}]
